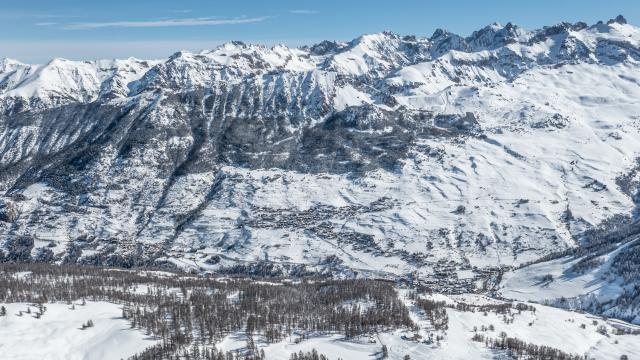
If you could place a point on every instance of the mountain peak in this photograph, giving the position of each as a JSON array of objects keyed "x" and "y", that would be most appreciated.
[
  {"x": 618, "y": 20},
  {"x": 58, "y": 61},
  {"x": 7, "y": 64},
  {"x": 495, "y": 35},
  {"x": 325, "y": 47},
  {"x": 233, "y": 45},
  {"x": 374, "y": 38},
  {"x": 443, "y": 41},
  {"x": 10, "y": 61},
  {"x": 439, "y": 33}
]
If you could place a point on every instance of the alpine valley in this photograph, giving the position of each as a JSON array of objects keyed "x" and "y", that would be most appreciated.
[{"x": 505, "y": 163}]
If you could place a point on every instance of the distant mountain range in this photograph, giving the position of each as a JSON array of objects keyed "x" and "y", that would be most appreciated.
[{"x": 384, "y": 156}]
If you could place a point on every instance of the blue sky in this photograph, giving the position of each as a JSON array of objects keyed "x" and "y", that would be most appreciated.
[{"x": 37, "y": 30}]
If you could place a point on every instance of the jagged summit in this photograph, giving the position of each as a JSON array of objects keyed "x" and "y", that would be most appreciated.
[
  {"x": 373, "y": 55},
  {"x": 325, "y": 47},
  {"x": 618, "y": 19},
  {"x": 495, "y": 35}
]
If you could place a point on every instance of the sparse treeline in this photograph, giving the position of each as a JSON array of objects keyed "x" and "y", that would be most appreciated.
[
  {"x": 190, "y": 314},
  {"x": 436, "y": 312},
  {"x": 612, "y": 234},
  {"x": 311, "y": 355},
  {"x": 505, "y": 308},
  {"x": 519, "y": 349}
]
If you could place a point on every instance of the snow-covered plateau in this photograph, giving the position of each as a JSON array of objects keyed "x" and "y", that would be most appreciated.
[{"x": 506, "y": 163}]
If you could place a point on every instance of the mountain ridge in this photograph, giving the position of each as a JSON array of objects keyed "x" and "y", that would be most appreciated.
[
  {"x": 386, "y": 155},
  {"x": 490, "y": 37}
]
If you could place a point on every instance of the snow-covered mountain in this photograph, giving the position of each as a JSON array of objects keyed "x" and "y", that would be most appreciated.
[
  {"x": 61, "y": 82},
  {"x": 385, "y": 155}
]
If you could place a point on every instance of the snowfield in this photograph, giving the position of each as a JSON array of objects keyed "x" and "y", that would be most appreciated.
[
  {"x": 548, "y": 326},
  {"x": 57, "y": 335},
  {"x": 596, "y": 289},
  {"x": 58, "y": 332}
]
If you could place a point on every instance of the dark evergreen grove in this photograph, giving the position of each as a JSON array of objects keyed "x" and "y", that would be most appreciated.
[{"x": 189, "y": 314}]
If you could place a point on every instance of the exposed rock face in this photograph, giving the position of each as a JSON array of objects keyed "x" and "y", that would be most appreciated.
[
  {"x": 8, "y": 212},
  {"x": 244, "y": 155}
]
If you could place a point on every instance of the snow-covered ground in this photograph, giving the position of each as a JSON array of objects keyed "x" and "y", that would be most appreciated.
[
  {"x": 557, "y": 328},
  {"x": 57, "y": 334},
  {"x": 557, "y": 283},
  {"x": 527, "y": 284}
]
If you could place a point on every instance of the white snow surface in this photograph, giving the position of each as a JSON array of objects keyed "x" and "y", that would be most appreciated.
[
  {"x": 57, "y": 334},
  {"x": 596, "y": 286},
  {"x": 557, "y": 328}
]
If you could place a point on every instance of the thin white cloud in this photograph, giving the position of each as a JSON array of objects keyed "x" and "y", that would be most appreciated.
[
  {"x": 45, "y": 23},
  {"x": 303, "y": 12},
  {"x": 19, "y": 15},
  {"x": 52, "y": 16},
  {"x": 165, "y": 23}
]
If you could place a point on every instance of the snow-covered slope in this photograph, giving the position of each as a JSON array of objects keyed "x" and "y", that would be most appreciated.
[
  {"x": 604, "y": 281},
  {"x": 60, "y": 82},
  {"x": 572, "y": 332},
  {"x": 385, "y": 155},
  {"x": 58, "y": 333}
]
